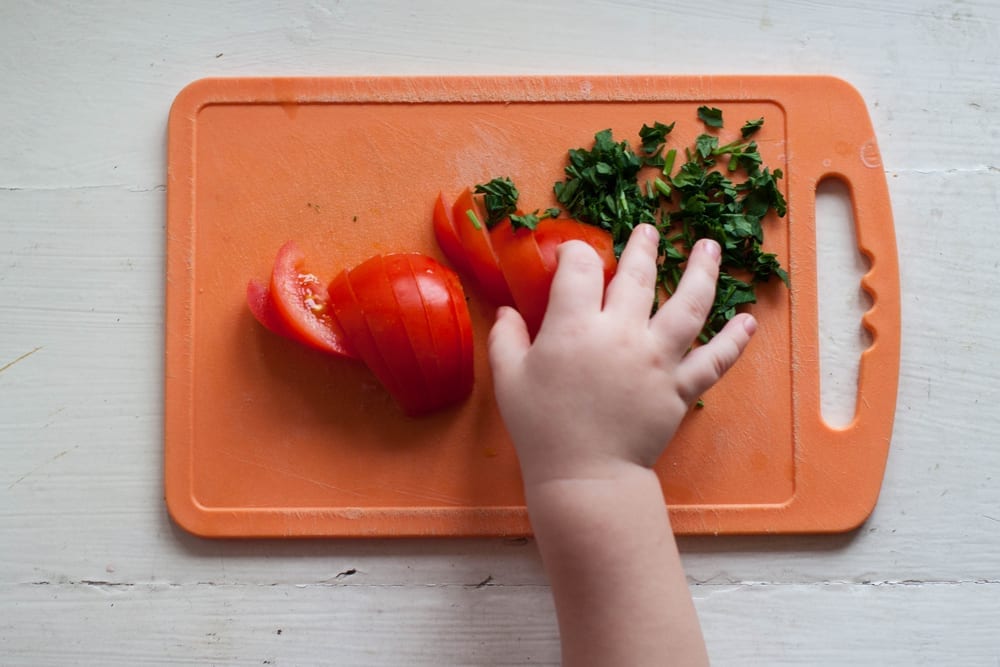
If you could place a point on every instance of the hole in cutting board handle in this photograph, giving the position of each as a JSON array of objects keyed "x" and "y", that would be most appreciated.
[{"x": 842, "y": 301}]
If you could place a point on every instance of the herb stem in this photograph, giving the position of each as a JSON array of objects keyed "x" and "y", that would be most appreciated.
[
  {"x": 668, "y": 162},
  {"x": 475, "y": 219}
]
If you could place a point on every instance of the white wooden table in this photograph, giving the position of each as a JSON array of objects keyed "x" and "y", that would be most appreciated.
[{"x": 92, "y": 571}]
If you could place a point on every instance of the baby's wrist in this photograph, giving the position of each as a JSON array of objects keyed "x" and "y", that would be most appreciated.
[
  {"x": 578, "y": 474},
  {"x": 560, "y": 503}
]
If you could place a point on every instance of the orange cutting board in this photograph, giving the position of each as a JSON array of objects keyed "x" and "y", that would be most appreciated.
[{"x": 266, "y": 438}]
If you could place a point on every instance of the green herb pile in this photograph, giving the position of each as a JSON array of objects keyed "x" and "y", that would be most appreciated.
[{"x": 719, "y": 192}]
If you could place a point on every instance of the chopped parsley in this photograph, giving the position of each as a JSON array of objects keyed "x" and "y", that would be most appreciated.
[
  {"x": 718, "y": 192},
  {"x": 710, "y": 116},
  {"x": 602, "y": 187}
]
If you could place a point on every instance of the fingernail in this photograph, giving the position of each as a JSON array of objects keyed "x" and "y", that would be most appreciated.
[
  {"x": 650, "y": 232},
  {"x": 750, "y": 324},
  {"x": 712, "y": 248}
]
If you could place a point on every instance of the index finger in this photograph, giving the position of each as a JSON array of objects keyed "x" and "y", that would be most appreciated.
[{"x": 578, "y": 285}]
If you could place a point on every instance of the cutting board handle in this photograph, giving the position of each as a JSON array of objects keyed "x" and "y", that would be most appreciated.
[{"x": 851, "y": 155}]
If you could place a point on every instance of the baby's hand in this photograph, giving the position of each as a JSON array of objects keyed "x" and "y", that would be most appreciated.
[{"x": 604, "y": 385}]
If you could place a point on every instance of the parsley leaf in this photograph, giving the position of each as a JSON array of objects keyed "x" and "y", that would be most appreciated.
[
  {"x": 751, "y": 127},
  {"x": 500, "y": 198},
  {"x": 601, "y": 187},
  {"x": 654, "y": 137},
  {"x": 710, "y": 116},
  {"x": 531, "y": 220}
]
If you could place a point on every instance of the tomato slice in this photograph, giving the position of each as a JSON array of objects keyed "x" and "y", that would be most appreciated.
[
  {"x": 404, "y": 327},
  {"x": 449, "y": 325},
  {"x": 528, "y": 259},
  {"x": 374, "y": 294},
  {"x": 413, "y": 314},
  {"x": 262, "y": 306},
  {"x": 550, "y": 233},
  {"x": 483, "y": 263},
  {"x": 301, "y": 301},
  {"x": 352, "y": 317},
  {"x": 447, "y": 237},
  {"x": 460, "y": 309},
  {"x": 527, "y": 275}
]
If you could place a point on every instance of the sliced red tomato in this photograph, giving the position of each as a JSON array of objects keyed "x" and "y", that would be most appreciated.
[
  {"x": 406, "y": 330},
  {"x": 301, "y": 301},
  {"x": 526, "y": 273},
  {"x": 352, "y": 318},
  {"x": 528, "y": 259},
  {"x": 482, "y": 259},
  {"x": 550, "y": 233},
  {"x": 262, "y": 306},
  {"x": 460, "y": 308},
  {"x": 447, "y": 237},
  {"x": 377, "y": 300},
  {"x": 449, "y": 327}
]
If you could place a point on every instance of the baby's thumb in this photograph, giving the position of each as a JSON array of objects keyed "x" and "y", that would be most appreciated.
[{"x": 508, "y": 341}]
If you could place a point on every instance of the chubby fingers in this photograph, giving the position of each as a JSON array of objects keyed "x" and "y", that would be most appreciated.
[
  {"x": 631, "y": 292},
  {"x": 683, "y": 315},
  {"x": 706, "y": 364},
  {"x": 578, "y": 285},
  {"x": 508, "y": 341}
]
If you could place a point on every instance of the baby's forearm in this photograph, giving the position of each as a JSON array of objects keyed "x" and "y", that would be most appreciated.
[{"x": 620, "y": 592}]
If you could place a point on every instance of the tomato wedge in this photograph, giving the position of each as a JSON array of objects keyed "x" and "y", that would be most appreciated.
[
  {"x": 482, "y": 260},
  {"x": 527, "y": 276},
  {"x": 550, "y": 233},
  {"x": 449, "y": 326},
  {"x": 386, "y": 322},
  {"x": 262, "y": 306},
  {"x": 528, "y": 259},
  {"x": 447, "y": 237},
  {"x": 352, "y": 318},
  {"x": 406, "y": 330},
  {"x": 301, "y": 301}
]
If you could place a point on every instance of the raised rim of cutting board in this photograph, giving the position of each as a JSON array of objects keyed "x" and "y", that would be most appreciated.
[{"x": 838, "y": 471}]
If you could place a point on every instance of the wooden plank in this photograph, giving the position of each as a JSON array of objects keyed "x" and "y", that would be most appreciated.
[
  {"x": 487, "y": 624},
  {"x": 81, "y": 278},
  {"x": 90, "y": 442}
]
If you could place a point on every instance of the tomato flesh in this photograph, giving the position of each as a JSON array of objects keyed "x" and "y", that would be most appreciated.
[
  {"x": 262, "y": 306},
  {"x": 399, "y": 311},
  {"x": 447, "y": 237},
  {"x": 528, "y": 259},
  {"x": 377, "y": 300},
  {"x": 449, "y": 325},
  {"x": 527, "y": 275},
  {"x": 483, "y": 263},
  {"x": 550, "y": 233},
  {"x": 301, "y": 301},
  {"x": 352, "y": 317}
]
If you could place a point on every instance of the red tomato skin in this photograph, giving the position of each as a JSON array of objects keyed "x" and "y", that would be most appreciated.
[
  {"x": 528, "y": 259},
  {"x": 262, "y": 306},
  {"x": 399, "y": 312},
  {"x": 460, "y": 309},
  {"x": 483, "y": 264},
  {"x": 377, "y": 300},
  {"x": 447, "y": 237},
  {"x": 449, "y": 325},
  {"x": 412, "y": 313},
  {"x": 552, "y": 232},
  {"x": 352, "y": 318},
  {"x": 300, "y": 301},
  {"x": 527, "y": 276}
]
